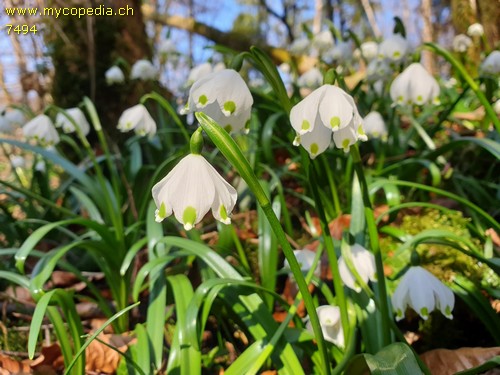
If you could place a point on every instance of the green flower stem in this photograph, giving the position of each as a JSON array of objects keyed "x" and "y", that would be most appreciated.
[
  {"x": 426, "y": 138},
  {"x": 466, "y": 76},
  {"x": 374, "y": 245},
  {"x": 233, "y": 154},
  {"x": 338, "y": 285},
  {"x": 168, "y": 107},
  {"x": 333, "y": 186}
]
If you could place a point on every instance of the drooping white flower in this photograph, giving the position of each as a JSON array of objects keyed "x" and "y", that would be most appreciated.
[
  {"x": 300, "y": 46},
  {"x": 364, "y": 263},
  {"x": 475, "y": 30},
  {"x": 17, "y": 161},
  {"x": 144, "y": 70},
  {"x": 42, "y": 130},
  {"x": 393, "y": 48},
  {"x": 328, "y": 111},
  {"x": 10, "y": 118},
  {"x": 78, "y": 117},
  {"x": 415, "y": 86},
  {"x": 496, "y": 107},
  {"x": 166, "y": 47},
  {"x": 40, "y": 166},
  {"x": 369, "y": 50},
  {"x": 114, "y": 75},
  {"x": 137, "y": 118},
  {"x": 190, "y": 190},
  {"x": 491, "y": 64},
  {"x": 423, "y": 292},
  {"x": 331, "y": 324},
  {"x": 224, "y": 96},
  {"x": 340, "y": 52},
  {"x": 461, "y": 43},
  {"x": 198, "y": 72},
  {"x": 312, "y": 79},
  {"x": 323, "y": 41},
  {"x": 305, "y": 258},
  {"x": 374, "y": 125},
  {"x": 378, "y": 69}
]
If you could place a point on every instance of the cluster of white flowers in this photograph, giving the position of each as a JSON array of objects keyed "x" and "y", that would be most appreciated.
[{"x": 328, "y": 112}]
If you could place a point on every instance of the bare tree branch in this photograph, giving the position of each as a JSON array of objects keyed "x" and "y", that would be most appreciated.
[{"x": 283, "y": 18}]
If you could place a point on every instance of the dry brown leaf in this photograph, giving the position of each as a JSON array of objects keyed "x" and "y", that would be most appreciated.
[
  {"x": 51, "y": 356},
  {"x": 494, "y": 236},
  {"x": 448, "y": 362},
  {"x": 101, "y": 358},
  {"x": 10, "y": 366}
]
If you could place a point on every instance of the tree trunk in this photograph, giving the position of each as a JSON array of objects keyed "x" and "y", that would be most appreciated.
[{"x": 428, "y": 58}]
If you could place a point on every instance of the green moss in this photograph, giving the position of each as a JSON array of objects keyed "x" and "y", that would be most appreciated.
[{"x": 443, "y": 261}]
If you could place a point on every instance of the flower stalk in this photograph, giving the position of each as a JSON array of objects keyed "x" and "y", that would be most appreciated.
[
  {"x": 330, "y": 251},
  {"x": 233, "y": 154},
  {"x": 374, "y": 245}
]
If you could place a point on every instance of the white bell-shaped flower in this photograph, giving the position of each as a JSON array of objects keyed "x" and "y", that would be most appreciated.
[
  {"x": 312, "y": 79},
  {"x": 423, "y": 292},
  {"x": 323, "y": 41},
  {"x": 331, "y": 324},
  {"x": 137, "y": 118},
  {"x": 475, "y": 30},
  {"x": 369, "y": 50},
  {"x": 10, "y": 118},
  {"x": 42, "y": 130},
  {"x": 167, "y": 47},
  {"x": 305, "y": 258},
  {"x": 198, "y": 72},
  {"x": 461, "y": 43},
  {"x": 78, "y": 117},
  {"x": 374, "y": 125},
  {"x": 190, "y": 190},
  {"x": 393, "y": 48},
  {"x": 17, "y": 161},
  {"x": 114, "y": 75},
  {"x": 496, "y": 107},
  {"x": 144, "y": 70},
  {"x": 327, "y": 111},
  {"x": 491, "y": 64},
  {"x": 300, "y": 46},
  {"x": 341, "y": 52},
  {"x": 224, "y": 96},
  {"x": 415, "y": 86},
  {"x": 364, "y": 263},
  {"x": 378, "y": 69}
]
